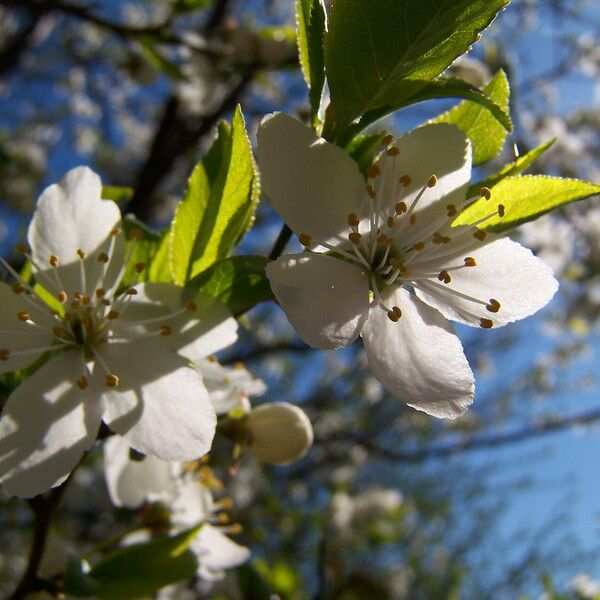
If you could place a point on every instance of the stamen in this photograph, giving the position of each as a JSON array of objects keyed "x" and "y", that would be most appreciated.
[
  {"x": 418, "y": 246},
  {"x": 355, "y": 237},
  {"x": 391, "y": 222},
  {"x": 191, "y": 306},
  {"x": 165, "y": 330},
  {"x": 353, "y": 220},
  {"x": 54, "y": 261},
  {"x": 22, "y": 248},
  {"x": 112, "y": 380},
  {"x": 82, "y": 382},
  {"x": 116, "y": 231},
  {"x": 62, "y": 297},
  {"x": 405, "y": 180},
  {"x": 493, "y": 306},
  {"x": 413, "y": 219},
  {"x": 444, "y": 276},
  {"x": 501, "y": 210},
  {"x": 485, "y": 192},
  {"x": 139, "y": 267},
  {"x": 113, "y": 314},
  {"x": 387, "y": 139},
  {"x": 486, "y": 323},
  {"x": 103, "y": 257},
  {"x": 395, "y": 314},
  {"x": 470, "y": 262},
  {"x": 451, "y": 210},
  {"x": 480, "y": 235},
  {"x": 393, "y": 151},
  {"x": 4, "y": 353},
  {"x": 18, "y": 288},
  {"x": 373, "y": 171},
  {"x": 305, "y": 239},
  {"x": 24, "y": 316},
  {"x": 135, "y": 234},
  {"x": 371, "y": 192},
  {"x": 432, "y": 181},
  {"x": 81, "y": 254},
  {"x": 400, "y": 208}
]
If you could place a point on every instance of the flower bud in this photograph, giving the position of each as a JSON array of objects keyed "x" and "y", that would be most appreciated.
[{"x": 278, "y": 433}]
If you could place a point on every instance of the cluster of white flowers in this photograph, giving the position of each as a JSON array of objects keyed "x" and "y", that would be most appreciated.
[{"x": 383, "y": 261}]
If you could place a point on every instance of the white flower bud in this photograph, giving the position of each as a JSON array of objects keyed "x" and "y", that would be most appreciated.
[{"x": 279, "y": 433}]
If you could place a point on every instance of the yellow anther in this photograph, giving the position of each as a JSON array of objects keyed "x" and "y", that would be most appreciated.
[
  {"x": 81, "y": 253},
  {"x": 191, "y": 305},
  {"x": 444, "y": 276},
  {"x": 22, "y": 248},
  {"x": 384, "y": 240},
  {"x": 59, "y": 332},
  {"x": 413, "y": 219},
  {"x": 239, "y": 366},
  {"x": 234, "y": 529},
  {"x": 305, "y": 239},
  {"x": 353, "y": 220},
  {"x": 112, "y": 380},
  {"x": 139, "y": 267},
  {"x": 103, "y": 257},
  {"x": 485, "y": 192},
  {"x": 100, "y": 292},
  {"x": 85, "y": 299},
  {"x": 105, "y": 302},
  {"x": 418, "y": 246},
  {"x": 165, "y": 330},
  {"x": 53, "y": 261},
  {"x": 82, "y": 382},
  {"x": 23, "y": 315},
  {"x": 432, "y": 181},
  {"x": 4, "y": 352},
  {"x": 493, "y": 306},
  {"x": 395, "y": 314},
  {"x": 501, "y": 210},
  {"x": 130, "y": 292},
  {"x": 391, "y": 222},
  {"x": 371, "y": 191},
  {"x": 400, "y": 208},
  {"x": 480, "y": 235},
  {"x": 470, "y": 261},
  {"x": 136, "y": 234},
  {"x": 115, "y": 231},
  {"x": 486, "y": 323},
  {"x": 451, "y": 210},
  {"x": 373, "y": 171},
  {"x": 226, "y": 503},
  {"x": 387, "y": 139},
  {"x": 355, "y": 237},
  {"x": 113, "y": 314},
  {"x": 62, "y": 297},
  {"x": 397, "y": 264},
  {"x": 213, "y": 359},
  {"x": 393, "y": 151},
  {"x": 438, "y": 238},
  {"x": 18, "y": 288},
  {"x": 405, "y": 180},
  {"x": 223, "y": 518}
]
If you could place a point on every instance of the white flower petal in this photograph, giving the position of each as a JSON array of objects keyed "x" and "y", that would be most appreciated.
[
  {"x": 419, "y": 359},
  {"x": 131, "y": 483},
  {"x": 506, "y": 272},
  {"x": 312, "y": 184},
  {"x": 324, "y": 298},
  {"x": 216, "y": 552},
  {"x": 71, "y": 216},
  {"x": 442, "y": 150},
  {"x": 160, "y": 406},
  {"x": 192, "y": 504},
  {"x": 196, "y": 334},
  {"x": 16, "y": 335},
  {"x": 47, "y": 425}
]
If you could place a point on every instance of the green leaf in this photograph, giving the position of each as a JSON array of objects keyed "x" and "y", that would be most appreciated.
[
  {"x": 136, "y": 571},
  {"x": 160, "y": 269},
  {"x": 514, "y": 168},
  {"x": 310, "y": 28},
  {"x": 118, "y": 194},
  {"x": 526, "y": 198},
  {"x": 485, "y": 128},
  {"x": 381, "y": 52},
  {"x": 363, "y": 148},
  {"x": 142, "y": 249},
  {"x": 218, "y": 205},
  {"x": 239, "y": 282}
]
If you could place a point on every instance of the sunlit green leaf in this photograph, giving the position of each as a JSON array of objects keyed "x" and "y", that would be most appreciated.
[
  {"x": 310, "y": 26},
  {"x": 218, "y": 205},
  {"x": 135, "y": 571},
  {"x": 118, "y": 194},
  {"x": 481, "y": 123},
  {"x": 239, "y": 282},
  {"x": 526, "y": 198},
  {"x": 380, "y": 52},
  {"x": 514, "y": 168}
]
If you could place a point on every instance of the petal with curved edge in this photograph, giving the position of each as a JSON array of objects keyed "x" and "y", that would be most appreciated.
[
  {"x": 216, "y": 552},
  {"x": 196, "y": 333},
  {"x": 47, "y": 425},
  {"x": 130, "y": 483},
  {"x": 312, "y": 184},
  {"x": 442, "y": 150},
  {"x": 419, "y": 359},
  {"x": 324, "y": 298},
  {"x": 70, "y": 216},
  {"x": 160, "y": 406},
  {"x": 20, "y": 342},
  {"x": 506, "y": 272}
]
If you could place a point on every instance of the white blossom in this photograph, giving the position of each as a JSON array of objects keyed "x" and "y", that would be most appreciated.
[
  {"x": 131, "y": 483},
  {"x": 383, "y": 261},
  {"x": 107, "y": 354}
]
